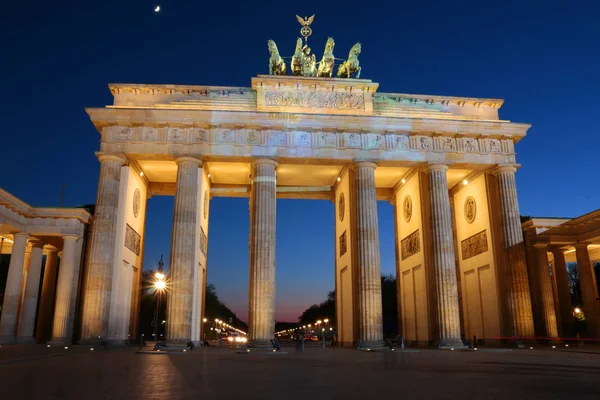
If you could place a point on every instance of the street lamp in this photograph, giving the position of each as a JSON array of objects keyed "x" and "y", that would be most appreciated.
[{"x": 159, "y": 286}]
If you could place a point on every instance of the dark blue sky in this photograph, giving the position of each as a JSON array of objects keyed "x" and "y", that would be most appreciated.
[{"x": 542, "y": 57}]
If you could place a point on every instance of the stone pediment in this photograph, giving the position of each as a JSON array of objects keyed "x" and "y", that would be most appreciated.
[{"x": 314, "y": 95}]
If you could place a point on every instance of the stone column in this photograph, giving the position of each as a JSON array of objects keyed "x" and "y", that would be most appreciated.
[
  {"x": 98, "y": 282},
  {"x": 32, "y": 286},
  {"x": 12, "y": 292},
  {"x": 66, "y": 293},
  {"x": 547, "y": 296},
  {"x": 515, "y": 268},
  {"x": 183, "y": 250},
  {"x": 444, "y": 262},
  {"x": 261, "y": 313},
  {"x": 589, "y": 291},
  {"x": 44, "y": 323},
  {"x": 565, "y": 304},
  {"x": 369, "y": 265}
]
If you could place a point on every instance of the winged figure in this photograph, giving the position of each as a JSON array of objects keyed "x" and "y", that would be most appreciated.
[{"x": 305, "y": 21}]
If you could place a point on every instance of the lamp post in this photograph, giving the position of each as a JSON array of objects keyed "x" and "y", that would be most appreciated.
[{"x": 159, "y": 286}]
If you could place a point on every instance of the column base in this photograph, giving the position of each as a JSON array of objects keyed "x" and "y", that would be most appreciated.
[
  {"x": 117, "y": 342},
  {"x": 257, "y": 344},
  {"x": 60, "y": 341},
  {"x": 91, "y": 341},
  {"x": 8, "y": 339},
  {"x": 26, "y": 340},
  {"x": 451, "y": 344},
  {"x": 371, "y": 345}
]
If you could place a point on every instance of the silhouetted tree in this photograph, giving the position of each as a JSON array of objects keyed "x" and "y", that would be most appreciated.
[
  {"x": 389, "y": 304},
  {"x": 214, "y": 308},
  {"x": 574, "y": 286}
]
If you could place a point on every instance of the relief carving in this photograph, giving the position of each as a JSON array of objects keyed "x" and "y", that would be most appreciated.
[
  {"x": 203, "y": 242},
  {"x": 425, "y": 143},
  {"x": 226, "y": 136},
  {"x": 474, "y": 245},
  {"x": 449, "y": 144},
  {"x": 123, "y": 134},
  {"x": 353, "y": 140},
  {"x": 277, "y": 138},
  {"x": 470, "y": 209},
  {"x": 471, "y": 145},
  {"x": 332, "y": 100},
  {"x": 410, "y": 245},
  {"x": 494, "y": 145},
  {"x": 303, "y": 138},
  {"x": 200, "y": 135},
  {"x": 403, "y": 142},
  {"x": 150, "y": 133},
  {"x": 343, "y": 244},
  {"x": 253, "y": 137},
  {"x": 407, "y": 208},
  {"x": 328, "y": 139},
  {"x": 342, "y": 207},
  {"x": 375, "y": 141},
  {"x": 175, "y": 134},
  {"x": 132, "y": 240},
  {"x": 136, "y": 203}
]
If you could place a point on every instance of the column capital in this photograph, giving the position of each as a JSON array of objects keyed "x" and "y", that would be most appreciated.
[
  {"x": 36, "y": 243},
  {"x": 264, "y": 161},
  {"x": 70, "y": 237},
  {"x": 364, "y": 164},
  {"x": 581, "y": 246},
  {"x": 555, "y": 249},
  {"x": 540, "y": 246},
  {"x": 504, "y": 168},
  {"x": 110, "y": 157},
  {"x": 180, "y": 160},
  {"x": 436, "y": 167},
  {"x": 22, "y": 235},
  {"x": 50, "y": 249}
]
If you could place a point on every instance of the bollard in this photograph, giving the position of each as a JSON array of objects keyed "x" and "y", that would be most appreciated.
[
  {"x": 474, "y": 341},
  {"x": 302, "y": 348}
]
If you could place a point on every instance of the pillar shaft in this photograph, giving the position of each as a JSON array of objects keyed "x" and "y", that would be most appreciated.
[
  {"x": 369, "y": 265},
  {"x": 183, "y": 250},
  {"x": 99, "y": 274},
  {"x": 261, "y": 301},
  {"x": 546, "y": 294},
  {"x": 12, "y": 292},
  {"x": 589, "y": 291},
  {"x": 44, "y": 323},
  {"x": 517, "y": 282},
  {"x": 66, "y": 293},
  {"x": 32, "y": 286},
  {"x": 444, "y": 267},
  {"x": 565, "y": 304}
]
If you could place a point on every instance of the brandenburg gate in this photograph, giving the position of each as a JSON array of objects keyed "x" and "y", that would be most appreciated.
[{"x": 447, "y": 164}]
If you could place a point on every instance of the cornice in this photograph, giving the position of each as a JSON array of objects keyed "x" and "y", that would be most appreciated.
[{"x": 25, "y": 210}]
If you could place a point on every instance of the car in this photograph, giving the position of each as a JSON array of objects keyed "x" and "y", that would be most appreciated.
[
  {"x": 314, "y": 338},
  {"x": 236, "y": 337}
]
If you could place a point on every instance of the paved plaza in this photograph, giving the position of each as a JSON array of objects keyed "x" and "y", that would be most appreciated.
[{"x": 37, "y": 372}]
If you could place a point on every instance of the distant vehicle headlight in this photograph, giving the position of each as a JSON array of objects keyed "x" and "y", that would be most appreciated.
[
  {"x": 230, "y": 339},
  {"x": 243, "y": 340},
  {"x": 238, "y": 339}
]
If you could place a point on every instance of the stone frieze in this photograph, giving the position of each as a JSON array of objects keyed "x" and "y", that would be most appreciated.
[
  {"x": 325, "y": 100},
  {"x": 474, "y": 245}
]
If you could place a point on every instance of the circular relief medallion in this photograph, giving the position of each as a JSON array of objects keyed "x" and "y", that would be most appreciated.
[
  {"x": 136, "y": 203},
  {"x": 470, "y": 209},
  {"x": 205, "y": 204},
  {"x": 342, "y": 207},
  {"x": 407, "y": 208}
]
